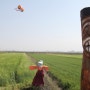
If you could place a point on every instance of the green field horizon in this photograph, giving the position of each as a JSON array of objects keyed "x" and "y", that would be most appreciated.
[
  {"x": 15, "y": 73},
  {"x": 65, "y": 68}
]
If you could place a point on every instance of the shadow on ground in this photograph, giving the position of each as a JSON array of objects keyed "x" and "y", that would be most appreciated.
[{"x": 31, "y": 88}]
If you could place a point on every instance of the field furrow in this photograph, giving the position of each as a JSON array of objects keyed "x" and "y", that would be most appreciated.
[{"x": 66, "y": 69}]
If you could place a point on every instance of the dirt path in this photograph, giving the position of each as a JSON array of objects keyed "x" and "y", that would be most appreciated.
[{"x": 49, "y": 84}]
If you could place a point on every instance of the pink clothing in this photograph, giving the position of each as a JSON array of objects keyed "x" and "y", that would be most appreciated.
[{"x": 38, "y": 79}]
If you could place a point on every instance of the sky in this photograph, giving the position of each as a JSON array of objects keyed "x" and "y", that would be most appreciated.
[{"x": 45, "y": 25}]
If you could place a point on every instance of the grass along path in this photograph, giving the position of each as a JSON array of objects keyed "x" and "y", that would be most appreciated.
[{"x": 14, "y": 71}]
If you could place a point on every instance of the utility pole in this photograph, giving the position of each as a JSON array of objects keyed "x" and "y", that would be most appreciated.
[{"x": 85, "y": 30}]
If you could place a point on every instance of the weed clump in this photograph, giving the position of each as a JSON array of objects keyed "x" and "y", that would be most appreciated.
[{"x": 63, "y": 85}]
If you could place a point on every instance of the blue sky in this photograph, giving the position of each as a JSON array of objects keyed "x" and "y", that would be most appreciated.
[{"x": 45, "y": 25}]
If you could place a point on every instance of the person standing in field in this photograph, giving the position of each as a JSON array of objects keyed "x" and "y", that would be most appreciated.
[{"x": 38, "y": 79}]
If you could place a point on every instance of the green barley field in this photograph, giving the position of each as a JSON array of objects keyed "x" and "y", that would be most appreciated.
[
  {"x": 14, "y": 71},
  {"x": 65, "y": 68}
]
